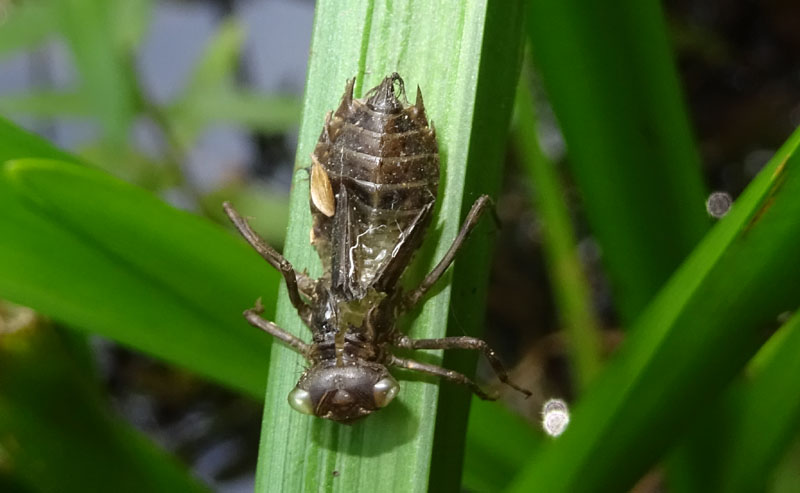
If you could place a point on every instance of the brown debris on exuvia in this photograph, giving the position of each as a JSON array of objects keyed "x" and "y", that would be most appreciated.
[{"x": 321, "y": 192}]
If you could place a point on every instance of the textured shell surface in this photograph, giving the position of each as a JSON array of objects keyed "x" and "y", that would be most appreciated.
[{"x": 374, "y": 179}]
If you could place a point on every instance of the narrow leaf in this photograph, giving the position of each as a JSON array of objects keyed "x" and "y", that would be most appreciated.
[
  {"x": 608, "y": 72},
  {"x": 571, "y": 287},
  {"x": 737, "y": 441},
  {"x": 217, "y": 65},
  {"x": 131, "y": 21},
  {"x": 16, "y": 143},
  {"x": 467, "y": 81},
  {"x": 57, "y": 431},
  {"x": 498, "y": 444},
  {"x": 688, "y": 344},
  {"x": 104, "y": 256},
  {"x": 25, "y": 25},
  {"x": 87, "y": 26},
  {"x": 45, "y": 104},
  {"x": 267, "y": 113}
]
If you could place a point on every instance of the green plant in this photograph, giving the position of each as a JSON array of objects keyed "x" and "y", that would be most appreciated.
[
  {"x": 103, "y": 256},
  {"x": 470, "y": 108}
]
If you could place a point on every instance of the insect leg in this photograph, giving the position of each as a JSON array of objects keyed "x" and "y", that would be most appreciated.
[
  {"x": 295, "y": 281},
  {"x": 463, "y": 342},
  {"x": 438, "y": 371},
  {"x": 253, "y": 315},
  {"x": 478, "y": 208}
]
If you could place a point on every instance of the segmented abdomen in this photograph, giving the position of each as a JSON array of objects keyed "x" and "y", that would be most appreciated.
[{"x": 380, "y": 158}]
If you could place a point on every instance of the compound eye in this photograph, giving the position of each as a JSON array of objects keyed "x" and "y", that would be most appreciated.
[
  {"x": 300, "y": 400},
  {"x": 384, "y": 391}
]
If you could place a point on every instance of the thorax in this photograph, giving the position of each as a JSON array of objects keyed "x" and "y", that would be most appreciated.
[{"x": 350, "y": 329}]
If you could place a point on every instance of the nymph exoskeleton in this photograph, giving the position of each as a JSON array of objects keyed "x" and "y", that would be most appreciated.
[{"x": 374, "y": 178}]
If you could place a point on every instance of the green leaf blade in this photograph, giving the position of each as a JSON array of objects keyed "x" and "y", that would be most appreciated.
[
  {"x": 48, "y": 104},
  {"x": 751, "y": 427},
  {"x": 25, "y": 25},
  {"x": 58, "y": 433},
  {"x": 571, "y": 287},
  {"x": 17, "y": 143},
  {"x": 87, "y": 27},
  {"x": 688, "y": 344},
  {"x": 611, "y": 81},
  {"x": 132, "y": 268},
  {"x": 370, "y": 40},
  {"x": 498, "y": 445}
]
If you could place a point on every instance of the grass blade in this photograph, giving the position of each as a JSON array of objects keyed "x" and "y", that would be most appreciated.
[
  {"x": 609, "y": 76},
  {"x": 49, "y": 104},
  {"x": 25, "y": 25},
  {"x": 131, "y": 268},
  {"x": 498, "y": 445},
  {"x": 17, "y": 143},
  {"x": 127, "y": 265},
  {"x": 688, "y": 344},
  {"x": 87, "y": 26},
  {"x": 572, "y": 291},
  {"x": 265, "y": 113},
  {"x": 449, "y": 62},
  {"x": 57, "y": 432},
  {"x": 750, "y": 429},
  {"x": 70, "y": 240}
]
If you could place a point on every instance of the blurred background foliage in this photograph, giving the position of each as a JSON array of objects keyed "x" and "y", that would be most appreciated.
[{"x": 625, "y": 118}]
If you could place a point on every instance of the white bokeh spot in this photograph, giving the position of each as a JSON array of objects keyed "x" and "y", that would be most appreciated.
[{"x": 555, "y": 417}]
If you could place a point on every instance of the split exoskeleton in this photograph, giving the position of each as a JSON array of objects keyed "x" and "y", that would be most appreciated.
[{"x": 373, "y": 180}]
